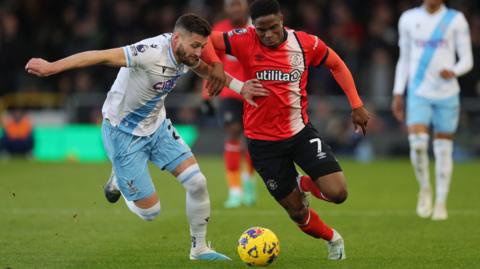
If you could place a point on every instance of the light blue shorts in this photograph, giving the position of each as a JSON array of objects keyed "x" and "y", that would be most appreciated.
[
  {"x": 442, "y": 114},
  {"x": 130, "y": 154}
]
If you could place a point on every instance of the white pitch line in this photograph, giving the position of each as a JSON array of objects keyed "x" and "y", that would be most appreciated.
[{"x": 231, "y": 212}]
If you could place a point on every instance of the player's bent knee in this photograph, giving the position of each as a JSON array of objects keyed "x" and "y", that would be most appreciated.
[
  {"x": 197, "y": 185},
  {"x": 339, "y": 196},
  {"x": 148, "y": 214},
  {"x": 193, "y": 180},
  {"x": 418, "y": 141}
]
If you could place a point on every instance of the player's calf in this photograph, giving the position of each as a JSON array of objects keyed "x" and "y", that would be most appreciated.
[{"x": 147, "y": 214}]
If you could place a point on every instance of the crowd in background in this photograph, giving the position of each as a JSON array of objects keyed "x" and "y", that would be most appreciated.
[{"x": 363, "y": 32}]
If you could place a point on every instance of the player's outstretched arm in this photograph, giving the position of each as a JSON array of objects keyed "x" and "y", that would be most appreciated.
[
  {"x": 216, "y": 75},
  {"x": 342, "y": 75},
  {"x": 249, "y": 89},
  {"x": 111, "y": 57},
  {"x": 217, "y": 40},
  {"x": 401, "y": 70}
]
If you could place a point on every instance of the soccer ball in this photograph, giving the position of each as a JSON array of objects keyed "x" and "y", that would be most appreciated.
[{"x": 258, "y": 246}]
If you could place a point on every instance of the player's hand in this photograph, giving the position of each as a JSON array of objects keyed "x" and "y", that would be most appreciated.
[
  {"x": 398, "y": 107},
  {"x": 447, "y": 74},
  {"x": 40, "y": 67},
  {"x": 360, "y": 117},
  {"x": 251, "y": 89},
  {"x": 216, "y": 79}
]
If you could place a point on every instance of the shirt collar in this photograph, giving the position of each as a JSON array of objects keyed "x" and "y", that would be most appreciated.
[
  {"x": 171, "y": 56},
  {"x": 439, "y": 11}
]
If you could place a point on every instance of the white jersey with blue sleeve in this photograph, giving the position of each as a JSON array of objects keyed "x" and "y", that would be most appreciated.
[
  {"x": 428, "y": 44},
  {"x": 135, "y": 102}
]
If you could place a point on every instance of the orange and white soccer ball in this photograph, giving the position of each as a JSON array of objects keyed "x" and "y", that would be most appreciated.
[{"x": 258, "y": 246}]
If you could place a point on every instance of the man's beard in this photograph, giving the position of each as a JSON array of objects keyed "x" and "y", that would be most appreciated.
[{"x": 182, "y": 56}]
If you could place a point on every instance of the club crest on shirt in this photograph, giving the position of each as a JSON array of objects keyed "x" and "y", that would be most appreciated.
[{"x": 297, "y": 59}]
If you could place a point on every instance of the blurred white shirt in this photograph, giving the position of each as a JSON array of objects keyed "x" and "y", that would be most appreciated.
[{"x": 428, "y": 44}]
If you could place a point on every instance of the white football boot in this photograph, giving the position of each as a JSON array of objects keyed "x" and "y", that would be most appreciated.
[
  {"x": 439, "y": 212},
  {"x": 336, "y": 247},
  {"x": 424, "y": 204},
  {"x": 207, "y": 254}
]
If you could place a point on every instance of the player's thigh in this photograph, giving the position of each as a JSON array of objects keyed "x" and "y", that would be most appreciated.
[
  {"x": 313, "y": 155},
  {"x": 333, "y": 186},
  {"x": 168, "y": 150},
  {"x": 419, "y": 111},
  {"x": 418, "y": 129},
  {"x": 276, "y": 170},
  {"x": 231, "y": 113},
  {"x": 129, "y": 157},
  {"x": 446, "y": 114}
]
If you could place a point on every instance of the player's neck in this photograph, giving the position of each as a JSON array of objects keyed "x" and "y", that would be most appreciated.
[{"x": 432, "y": 9}]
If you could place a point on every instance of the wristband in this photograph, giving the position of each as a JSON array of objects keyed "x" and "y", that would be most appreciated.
[{"x": 236, "y": 85}]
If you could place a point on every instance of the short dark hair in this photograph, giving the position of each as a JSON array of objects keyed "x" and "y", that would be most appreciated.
[
  {"x": 261, "y": 8},
  {"x": 194, "y": 24}
]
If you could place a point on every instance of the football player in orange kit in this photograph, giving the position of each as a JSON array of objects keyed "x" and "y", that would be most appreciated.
[{"x": 241, "y": 184}]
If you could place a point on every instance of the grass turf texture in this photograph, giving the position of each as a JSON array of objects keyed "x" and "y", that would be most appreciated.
[{"x": 54, "y": 215}]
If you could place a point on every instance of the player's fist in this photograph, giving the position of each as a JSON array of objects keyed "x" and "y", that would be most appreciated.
[
  {"x": 251, "y": 89},
  {"x": 360, "y": 118},
  {"x": 447, "y": 74},
  {"x": 216, "y": 79},
  {"x": 398, "y": 108},
  {"x": 40, "y": 67}
]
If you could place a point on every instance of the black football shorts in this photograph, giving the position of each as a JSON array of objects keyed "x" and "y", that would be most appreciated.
[{"x": 275, "y": 160}]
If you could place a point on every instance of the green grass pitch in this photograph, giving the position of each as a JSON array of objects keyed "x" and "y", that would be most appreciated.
[{"x": 53, "y": 215}]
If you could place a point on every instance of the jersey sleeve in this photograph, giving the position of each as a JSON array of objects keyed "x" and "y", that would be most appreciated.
[
  {"x": 319, "y": 51},
  {"x": 401, "y": 70},
  {"x": 142, "y": 54},
  {"x": 463, "y": 46},
  {"x": 238, "y": 42},
  {"x": 218, "y": 28}
]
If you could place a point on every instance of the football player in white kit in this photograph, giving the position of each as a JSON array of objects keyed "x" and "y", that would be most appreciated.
[
  {"x": 135, "y": 128},
  {"x": 431, "y": 36}
]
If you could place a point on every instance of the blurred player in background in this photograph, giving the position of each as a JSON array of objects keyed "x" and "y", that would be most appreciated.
[
  {"x": 278, "y": 130},
  {"x": 135, "y": 128},
  {"x": 431, "y": 36},
  {"x": 241, "y": 185},
  {"x": 18, "y": 137}
]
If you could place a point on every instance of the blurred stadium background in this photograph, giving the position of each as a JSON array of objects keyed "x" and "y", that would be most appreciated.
[{"x": 65, "y": 110}]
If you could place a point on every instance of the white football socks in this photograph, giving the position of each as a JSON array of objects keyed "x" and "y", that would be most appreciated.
[
  {"x": 198, "y": 204},
  {"x": 419, "y": 158},
  {"x": 147, "y": 214},
  {"x": 443, "y": 149}
]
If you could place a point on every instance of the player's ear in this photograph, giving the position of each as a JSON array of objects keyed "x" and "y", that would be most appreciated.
[{"x": 176, "y": 37}]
